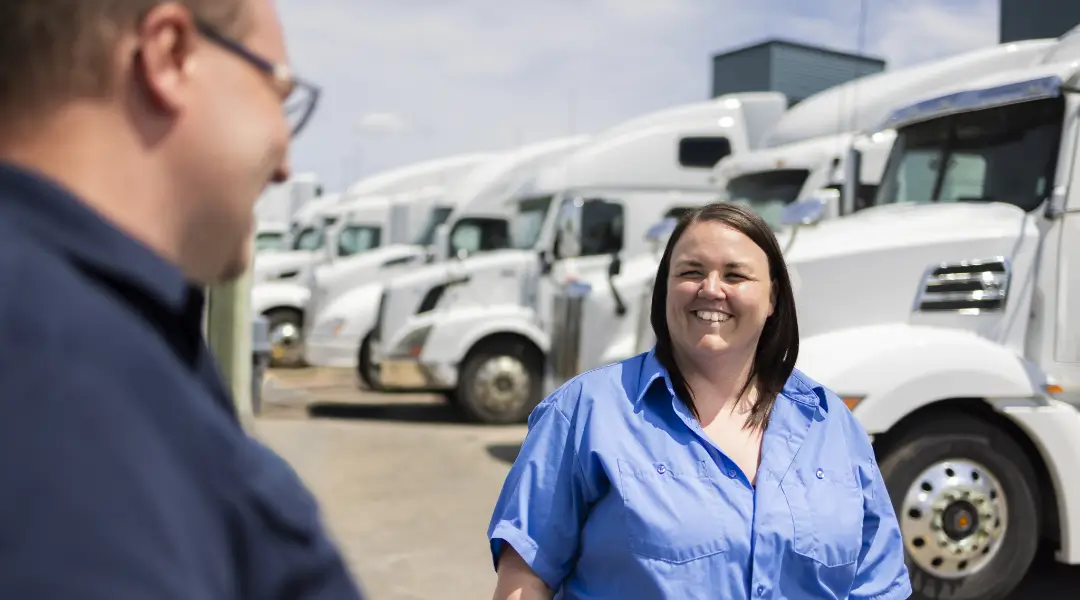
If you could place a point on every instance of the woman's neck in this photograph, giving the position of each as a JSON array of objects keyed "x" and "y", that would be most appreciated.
[{"x": 718, "y": 382}]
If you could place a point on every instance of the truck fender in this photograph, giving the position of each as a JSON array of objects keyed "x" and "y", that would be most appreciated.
[
  {"x": 278, "y": 294},
  {"x": 457, "y": 332},
  {"x": 359, "y": 307},
  {"x": 895, "y": 369}
]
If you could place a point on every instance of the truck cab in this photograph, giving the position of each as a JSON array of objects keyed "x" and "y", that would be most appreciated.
[
  {"x": 940, "y": 315},
  {"x": 807, "y": 155},
  {"x": 485, "y": 343}
]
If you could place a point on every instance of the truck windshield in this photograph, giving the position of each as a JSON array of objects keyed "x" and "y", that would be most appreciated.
[
  {"x": 309, "y": 238},
  {"x": 528, "y": 222},
  {"x": 436, "y": 217},
  {"x": 767, "y": 192},
  {"x": 1005, "y": 154},
  {"x": 354, "y": 239},
  {"x": 269, "y": 240}
]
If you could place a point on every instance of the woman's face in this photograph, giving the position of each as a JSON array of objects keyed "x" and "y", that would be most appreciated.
[{"x": 719, "y": 292}]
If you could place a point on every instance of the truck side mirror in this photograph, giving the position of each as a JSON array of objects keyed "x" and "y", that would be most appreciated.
[
  {"x": 330, "y": 248},
  {"x": 804, "y": 211},
  {"x": 441, "y": 242},
  {"x": 852, "y": 180},
  {"x": 568, "y": 228},
  {"x": 615, "y": 267}
]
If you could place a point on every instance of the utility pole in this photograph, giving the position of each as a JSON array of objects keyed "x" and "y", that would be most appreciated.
[{"x": 228, "y": 330}]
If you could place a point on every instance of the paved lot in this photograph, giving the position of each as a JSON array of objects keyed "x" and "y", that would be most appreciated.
[{"x": 408, "y": 489}]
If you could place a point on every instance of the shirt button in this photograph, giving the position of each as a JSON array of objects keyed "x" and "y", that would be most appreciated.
[
  {"x": 760, "y": 590},
  {"x": 661, "y": 469},
  {"x": 731, "y": 473},
  {"x": 820, "y": 474}
]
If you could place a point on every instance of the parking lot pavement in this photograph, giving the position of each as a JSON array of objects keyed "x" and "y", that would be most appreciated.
[{"x": 407, "y": 488}]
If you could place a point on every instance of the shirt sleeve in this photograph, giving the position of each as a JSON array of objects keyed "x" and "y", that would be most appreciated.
[
  {"x": 93, "y": 506},
  {"x": 545, "y": 498},
  {"x": 881, "y": 572}
]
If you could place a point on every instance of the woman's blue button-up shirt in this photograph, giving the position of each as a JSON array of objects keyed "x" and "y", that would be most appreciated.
[{"x": 617, "y": 493}]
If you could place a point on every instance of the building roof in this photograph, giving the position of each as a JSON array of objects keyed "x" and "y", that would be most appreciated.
[{"x": 790, "y": 44}]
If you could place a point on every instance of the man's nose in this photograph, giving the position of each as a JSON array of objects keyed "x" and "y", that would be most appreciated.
[{"x": 283, "y": 170}]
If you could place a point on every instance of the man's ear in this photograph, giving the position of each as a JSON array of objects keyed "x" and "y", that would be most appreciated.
[{"x": 165, "y": 60}]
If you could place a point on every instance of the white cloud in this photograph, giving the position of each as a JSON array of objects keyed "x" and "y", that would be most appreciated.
[{"x": 487, "y": 74}]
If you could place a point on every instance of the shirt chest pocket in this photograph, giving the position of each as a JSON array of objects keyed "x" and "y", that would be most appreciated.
[
  {"x": 826, "y": 508},
  {"x": 672, "y": 511}
]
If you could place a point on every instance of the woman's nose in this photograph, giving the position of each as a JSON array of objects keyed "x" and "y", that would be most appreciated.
[{"x": 712, "y": 287}]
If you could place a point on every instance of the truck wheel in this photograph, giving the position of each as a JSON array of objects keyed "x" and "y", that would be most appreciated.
[
  {"x": 967, "y": 501},
  {"x": 500, "y": 382},
  {"x": 286, "y": 343},
  {"x": 366, "y": 369}
]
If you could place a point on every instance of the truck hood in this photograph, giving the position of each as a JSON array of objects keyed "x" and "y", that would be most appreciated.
[
  {"x": 868, "y": 268},
  {"x": 270, "y": 265},
  {"x": 490, "y": 278},
  {"x": 338, "y": 277}
]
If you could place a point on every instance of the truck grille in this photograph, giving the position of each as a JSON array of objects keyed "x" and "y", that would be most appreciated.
[{"x": 971, "y": 287}]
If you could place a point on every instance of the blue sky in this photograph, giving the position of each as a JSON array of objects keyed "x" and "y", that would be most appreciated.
[{"x": 409, "y": 80}]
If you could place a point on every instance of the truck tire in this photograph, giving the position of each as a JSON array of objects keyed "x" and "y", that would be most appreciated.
[
  {"x": 367, "y": 371},
  {"x": 967, "y": 500},
  {"x": 501, "y": 382},
  {"x": 286, "y": 338}
]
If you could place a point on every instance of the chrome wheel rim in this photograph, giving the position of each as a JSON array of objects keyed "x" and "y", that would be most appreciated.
[
  {"x": 501, "y": 384},
  {"x": 953, "y": 518},
  {"x": 285, "y": 343}
]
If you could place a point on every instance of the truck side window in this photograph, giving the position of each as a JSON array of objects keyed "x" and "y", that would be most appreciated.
[
  {"x": 676, "y": 212},
  {"x": 479, "y": 235},
  {"x": 355, "y": 239},
  {"x": 602, "y": 228},
  {"x": 864, "y": 197},
  {"x": 703, "y": 152}
]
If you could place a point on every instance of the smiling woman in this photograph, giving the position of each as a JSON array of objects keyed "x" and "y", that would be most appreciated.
[{"x": 708, "y": 466}]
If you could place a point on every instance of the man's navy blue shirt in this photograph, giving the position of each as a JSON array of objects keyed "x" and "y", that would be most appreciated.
[{"x": 124, "y": 471}]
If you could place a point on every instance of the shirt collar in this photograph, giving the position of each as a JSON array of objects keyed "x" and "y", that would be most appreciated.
[
  {"x": 52, "y": 214},
  {"x": 798, "y": 388}
]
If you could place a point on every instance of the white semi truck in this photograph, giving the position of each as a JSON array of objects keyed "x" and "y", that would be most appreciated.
[
  {"x": 277, "y": 206},
  {"x": 957, "y": 348},
  {"x": 349, "y": 229},
  {"x": 406, "y": 198},
  {"x": 347, "y": 292},
  {"x": 944, "y": 316},
  {"x": 769, "y": 180},
  {"x": 483, "y": 341}
]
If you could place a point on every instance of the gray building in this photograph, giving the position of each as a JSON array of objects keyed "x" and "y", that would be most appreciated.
[
  {"x": 1032, "y": 19},
  {"x": 796, "y": 70}
]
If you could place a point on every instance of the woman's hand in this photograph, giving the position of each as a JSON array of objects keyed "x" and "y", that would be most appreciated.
[{"x": 516, "y": 581}]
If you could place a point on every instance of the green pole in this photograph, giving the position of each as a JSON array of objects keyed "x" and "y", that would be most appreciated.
[{"x": 229, "y": 333}]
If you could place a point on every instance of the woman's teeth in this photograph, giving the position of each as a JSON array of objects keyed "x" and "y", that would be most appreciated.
[{"x": 714, "y": 317}]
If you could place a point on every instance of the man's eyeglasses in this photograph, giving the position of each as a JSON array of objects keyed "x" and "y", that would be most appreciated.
[{"x": 302, "y": 96}]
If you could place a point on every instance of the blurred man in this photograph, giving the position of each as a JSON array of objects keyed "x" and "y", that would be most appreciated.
[{"x": 135, "y": 137}]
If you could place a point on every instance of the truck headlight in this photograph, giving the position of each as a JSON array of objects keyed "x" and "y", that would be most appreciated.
[
  {"x": 329, "y": 328},
  {"x": 412, "y": 345}
]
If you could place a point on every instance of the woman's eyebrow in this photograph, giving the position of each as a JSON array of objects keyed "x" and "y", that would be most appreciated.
[{"x": 693, "y": 262}]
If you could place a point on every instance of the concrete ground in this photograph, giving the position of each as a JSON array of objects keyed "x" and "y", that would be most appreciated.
[{"x": 407, "y": 488}]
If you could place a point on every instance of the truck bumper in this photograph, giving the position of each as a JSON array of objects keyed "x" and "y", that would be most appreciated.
[
  {"x": 1054, "y": 427},
  {"x": 404, "y": 374},
  {"x": 331, "y": 352}
]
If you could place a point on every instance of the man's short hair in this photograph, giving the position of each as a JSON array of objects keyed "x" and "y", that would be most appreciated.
[{"x": 59, "y": 50}]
